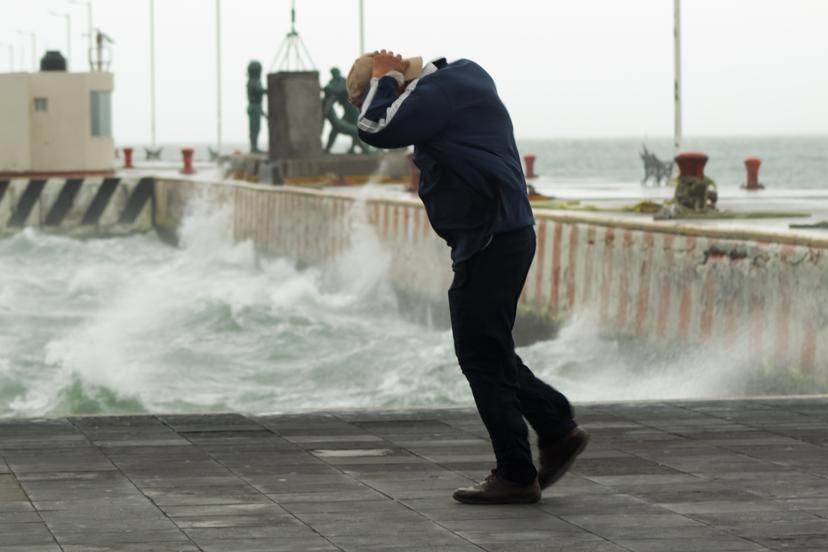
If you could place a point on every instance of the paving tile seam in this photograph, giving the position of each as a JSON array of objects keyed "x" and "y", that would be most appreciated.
[
  {"x": 403, "y": 504},
  {"x": 688, "y": 517},
  {"x": 735, "y": 533},
  {"x": 421, "y": 457},
  {"x": 723, "y": 530},
  {"x": 462, "y": 475},
  {"x": 766, "y": 430},
  {"x": 601, "y": 537},
  {"x": 103, "y": 452},
  {"x": 679, "y": 435},
  {"x": 28, "y": 498},
  {"x": 249, "y": 484}
]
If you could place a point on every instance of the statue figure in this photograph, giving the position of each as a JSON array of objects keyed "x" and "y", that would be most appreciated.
[
  {"x": 336, "y": 92},
  {"x": 255, "y": 112},
  {"x": 655, "y": 168}
]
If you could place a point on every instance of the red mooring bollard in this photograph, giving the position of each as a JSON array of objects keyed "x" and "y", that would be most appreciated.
[
  {"x": 187, "y": 154},
  {"x": 530, "y": 165},
  {"x": 128, "y": 158},
  {"x": 691, "y": 163},
  {"x": 752, "y": 165},
  {"x": 413, "y": 173}
]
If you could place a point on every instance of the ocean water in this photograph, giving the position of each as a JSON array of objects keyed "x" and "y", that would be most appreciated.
[
  {"x": 787, "y": 161},
  {"x": 131, "y": 325}
]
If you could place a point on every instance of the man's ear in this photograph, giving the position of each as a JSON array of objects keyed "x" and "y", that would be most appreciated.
[{"x": 414, "y": 69}]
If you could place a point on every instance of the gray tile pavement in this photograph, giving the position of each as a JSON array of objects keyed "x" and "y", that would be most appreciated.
[{"x": 746, "y": 475}]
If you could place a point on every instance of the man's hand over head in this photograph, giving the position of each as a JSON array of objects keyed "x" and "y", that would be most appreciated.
[{"x": 386, "y": 61}]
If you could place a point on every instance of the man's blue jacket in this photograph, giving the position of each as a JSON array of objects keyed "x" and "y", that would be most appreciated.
[{"x": 471, "y": 181}]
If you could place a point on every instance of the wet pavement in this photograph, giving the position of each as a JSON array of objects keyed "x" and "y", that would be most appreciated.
[{"x": 746, "y": 475}]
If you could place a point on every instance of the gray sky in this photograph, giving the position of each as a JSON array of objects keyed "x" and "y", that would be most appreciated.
[{"x": 564, "y": 68}]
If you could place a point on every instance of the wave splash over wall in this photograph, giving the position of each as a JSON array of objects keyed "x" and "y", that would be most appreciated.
[{"x": 131, "y": 325}]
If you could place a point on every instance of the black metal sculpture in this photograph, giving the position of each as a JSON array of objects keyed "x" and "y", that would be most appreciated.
[
  {"x": 336, "y": 92},
  {"x": 153, "y": 154},
  {"x": 255, "y": 111},
  {"x": 655, "y": 168}
]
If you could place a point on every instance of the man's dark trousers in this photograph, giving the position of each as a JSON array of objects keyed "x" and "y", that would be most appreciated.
[{"x": 483, "y": 302}]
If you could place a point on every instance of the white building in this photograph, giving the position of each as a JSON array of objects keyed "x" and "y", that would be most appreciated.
[{"x": 56, "y": 123}]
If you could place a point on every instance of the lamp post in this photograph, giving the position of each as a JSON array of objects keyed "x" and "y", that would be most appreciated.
[
  {"x": 33, "y": 36},
  {"x": 152, "y": 72},
  {"x": 10, "y": 47},
  {"x": 218, "y": 77},
  {"x": 89, "y": 36},
  {"x": 68, "y": 35},
  {"x": 361, "y": 27},
  {"x": 677, "y": 134}
]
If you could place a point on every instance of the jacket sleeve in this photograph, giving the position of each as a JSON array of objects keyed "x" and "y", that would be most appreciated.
[{"x": 393, "y": 120}]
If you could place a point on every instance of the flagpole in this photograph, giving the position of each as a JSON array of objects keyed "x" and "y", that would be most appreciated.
[
  {"x": 68, "y": 36},
  {"x": 361, "y": 27},
  {"x": 152, "y": 72},
  {"x": 88, "y": 5},
  {"x": 677, "y": 131},
  {"x": 218, "y": 76}
]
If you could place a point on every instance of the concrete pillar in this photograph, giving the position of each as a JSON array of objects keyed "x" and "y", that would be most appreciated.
[{"x": 294, "y": 115}]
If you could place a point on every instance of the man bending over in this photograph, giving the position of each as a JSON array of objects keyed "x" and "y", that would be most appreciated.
[{"x": 475, "y": 195}]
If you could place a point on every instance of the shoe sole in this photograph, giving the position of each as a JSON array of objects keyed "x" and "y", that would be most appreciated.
[
  {"x": 514, "y": 500},
  {"x": 565, "y": 468}
]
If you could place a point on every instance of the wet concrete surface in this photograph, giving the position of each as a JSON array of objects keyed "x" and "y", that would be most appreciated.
[{"x": 739, "y": 475}]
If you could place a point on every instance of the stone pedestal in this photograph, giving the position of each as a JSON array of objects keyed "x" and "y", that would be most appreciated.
[{"x": 294, "y": 115}]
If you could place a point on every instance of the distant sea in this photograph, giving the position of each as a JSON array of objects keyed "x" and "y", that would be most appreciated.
[{"x": 787, "y": 161}]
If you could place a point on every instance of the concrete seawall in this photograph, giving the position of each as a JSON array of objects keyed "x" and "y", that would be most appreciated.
[
  {"x": 80, "y": 207},
  {"x": 757, "y": 295}
]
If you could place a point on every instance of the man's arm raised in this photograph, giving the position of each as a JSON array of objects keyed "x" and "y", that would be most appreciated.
[{"x": 390, "y": 119}]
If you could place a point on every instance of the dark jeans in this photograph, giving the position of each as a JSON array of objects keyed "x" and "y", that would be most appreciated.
[{"x": 483, "y": 301}]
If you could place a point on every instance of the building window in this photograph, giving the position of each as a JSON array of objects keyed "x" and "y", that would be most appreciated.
[
  {"x": 41, "y": 104},
  {"x": 101, "y": 111}
]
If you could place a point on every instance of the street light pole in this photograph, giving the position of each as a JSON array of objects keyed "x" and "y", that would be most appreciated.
[
  {"x": 218, "y": 76},
  {"x": 34, "y": 47},
  {"x": 361, "y": 27},
  {"x": 68, "y": 36},
  {"x": 11, "y": 55},
  {"x": 152, "y": 72},
  {"x": 88, "y": 5},
  {"x": 677, "y": 132}
]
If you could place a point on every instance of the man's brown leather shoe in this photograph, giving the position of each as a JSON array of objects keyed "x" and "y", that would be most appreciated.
[
  {"x": 495, "y": 490},
  {"x": 555, "y": 460}
]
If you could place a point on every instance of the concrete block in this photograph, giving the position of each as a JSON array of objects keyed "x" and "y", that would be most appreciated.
[{"x": 294, "y": 115}]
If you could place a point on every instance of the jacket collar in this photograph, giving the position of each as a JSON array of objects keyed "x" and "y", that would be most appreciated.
[{"x": 433, "y": 65}]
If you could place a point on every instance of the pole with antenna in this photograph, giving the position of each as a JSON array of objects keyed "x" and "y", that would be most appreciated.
[
  {"x": 68, "y": 35},
  {"x": 89, "y": 34},
  {"x": 218, "y": 77},
  {"x": 33, "y": 36},
  {"x": 152, "y": 71},
  {"x": 10, "y": 47},
  {"x": 361, "y": 27},
  {"x": 677, "y": 132}
]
